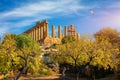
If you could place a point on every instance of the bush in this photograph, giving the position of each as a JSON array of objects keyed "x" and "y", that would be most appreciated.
[{"x": 44, "y": 71}]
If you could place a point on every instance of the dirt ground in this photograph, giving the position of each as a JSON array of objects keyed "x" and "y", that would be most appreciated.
[{"x": 59, "y": 77}]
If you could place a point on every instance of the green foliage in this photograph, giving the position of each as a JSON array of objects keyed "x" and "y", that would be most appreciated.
[
  {"x": 23, "y": 41},
  {"x": 29, "y": 48},
  {"x": 71, "y": 53},
  {"x": 100, "y": 54},
  {"x": 44, "y": 71},
  {"x": 87, "y": 52},
  {"x": 18, "y": 51},
  {"x": 107, "y": 33},
  {"x": 67, "y": 39},
  {"x": 112, "y": 35},
  {"x": 53, "y": 46},
  {"x": 46, "y": 59},
  {"x": 6, "y": 78},
  {"x": 7, "y": 53}
]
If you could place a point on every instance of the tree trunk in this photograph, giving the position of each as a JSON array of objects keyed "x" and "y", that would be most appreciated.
[
  {"x": 92, "y": 73},
  {"x": 23, "y": 70},
  {"x": 77, "y": 70},
  {"x": 63, "y": 72},
  {"x": 20, "y": 73},
  {"x": 78, "y": 75},
  {"x": 115, "y": 73}
]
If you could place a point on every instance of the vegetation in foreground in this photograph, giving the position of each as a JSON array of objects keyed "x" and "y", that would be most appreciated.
[
  {"x": 19, "y": 55},
  {"x": 90, "y": 56}
]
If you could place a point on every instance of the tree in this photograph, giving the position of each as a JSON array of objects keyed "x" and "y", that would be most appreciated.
[
  {"x": 88, "y": 53},
  {"x": 30, "y": 53},
  {"x": 113, "y": 36},
  {"x": 108, "y": 33},
  {"x": 100, "y": 55},
  {"x": 72, "y": 53},
  {"x": 68, "y": 39},
  {"x": 19, "y": 53},
  {"x": 7, "y": 53}
]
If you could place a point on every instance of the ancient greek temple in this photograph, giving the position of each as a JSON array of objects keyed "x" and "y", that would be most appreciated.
[{"x": 39, "y": 33}]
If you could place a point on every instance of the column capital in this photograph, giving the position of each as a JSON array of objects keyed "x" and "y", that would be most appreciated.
[{"x": 46, "y": 21}]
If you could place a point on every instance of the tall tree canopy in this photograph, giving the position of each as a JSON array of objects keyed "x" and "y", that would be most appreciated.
[
  {"x": 19, "y": 53},
  {"x": 87, "y": 52},
  {"x": 7, "y": 53},
  {"x": 111, "y": 34}
]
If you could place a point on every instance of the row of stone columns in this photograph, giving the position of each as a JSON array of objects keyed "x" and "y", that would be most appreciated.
[
  {"x": 40, "y": 31},
  {"x": 67, "y": 31}
]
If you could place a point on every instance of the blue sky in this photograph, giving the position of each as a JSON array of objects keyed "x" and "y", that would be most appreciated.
[{"x": 16, "y": 16}]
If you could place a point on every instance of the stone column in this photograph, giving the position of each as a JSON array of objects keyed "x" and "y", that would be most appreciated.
[
  {"x": 30, "y": 34},
  {"x": 53, "y": 32},
  {"x": 59, "y": 32},
  {"x": 71, "y": 28},
  {"x": 46, "y": 28},
  {"x": 41, "y": 32},
  {"x": 66, "y": 31},
  {"x": 38, "y": 33},
  {"x": 34, "y": 34}
]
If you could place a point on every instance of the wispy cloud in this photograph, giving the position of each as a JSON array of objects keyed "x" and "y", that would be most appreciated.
[
  {"x": 31, "y": 12},
  {"x": 44, "y": 8},
  {"x": 108, "y": 16},
  {"x": 104, "y": 19}
]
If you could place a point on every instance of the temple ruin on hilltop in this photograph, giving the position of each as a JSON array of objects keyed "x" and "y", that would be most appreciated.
[{"x": 40, "y": 33}]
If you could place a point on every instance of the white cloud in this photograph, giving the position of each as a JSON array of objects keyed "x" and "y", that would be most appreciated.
[
  {"x": 107, "y": 15},
  {"x": 32, "y": 12},
  {"x": 44, "y": 7},
  {"x": 108, "y": 18},
  {"x": 104, "y": 19}
]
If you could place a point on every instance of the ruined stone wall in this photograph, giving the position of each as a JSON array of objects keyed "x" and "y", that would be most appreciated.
[{"x": 39, "y": 33}]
